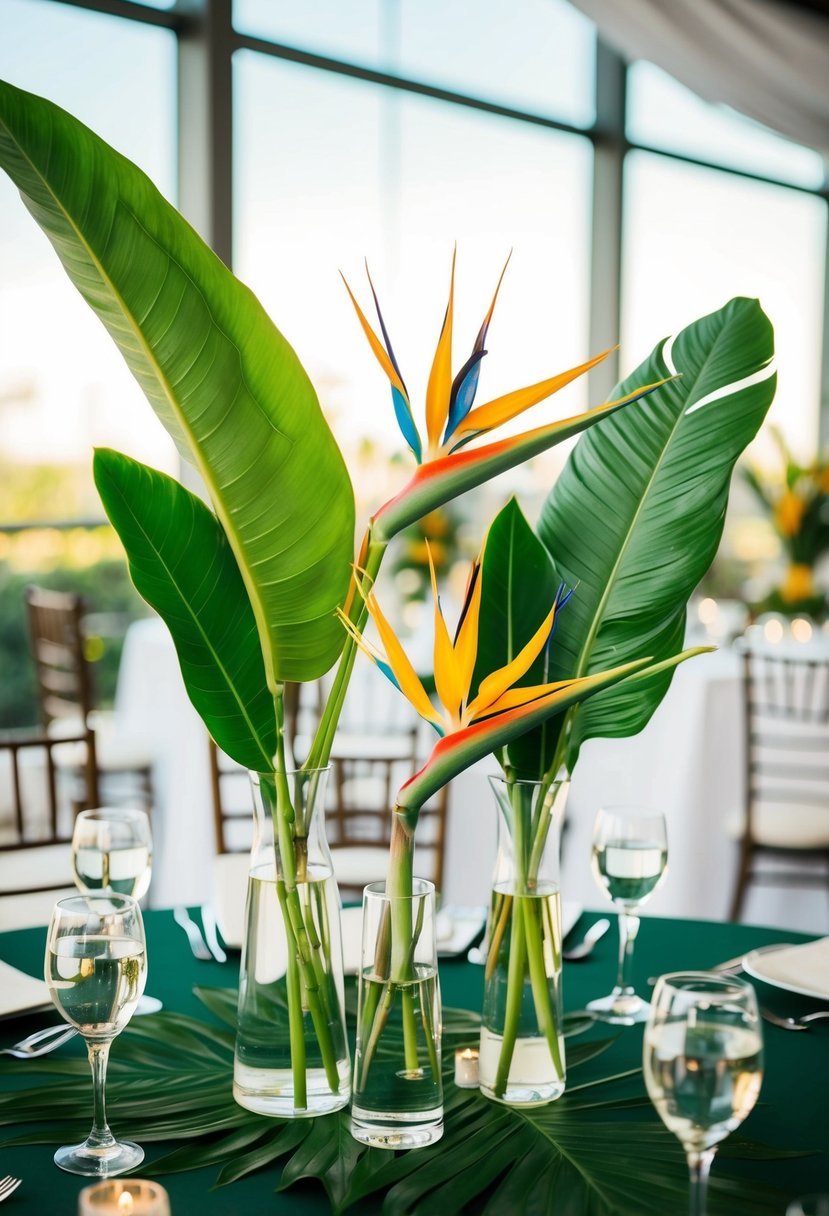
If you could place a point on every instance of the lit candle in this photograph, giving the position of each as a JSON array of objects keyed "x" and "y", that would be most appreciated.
[
  {"x": 466, "y": 1067},
  {"x": 130, "y": 1197}
]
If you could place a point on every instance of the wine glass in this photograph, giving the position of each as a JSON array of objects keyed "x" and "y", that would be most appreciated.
[
  {"x": 630, "y": 852},
  {"x": 96, "y": 965},
  {"x": 112, "y": 850},
  {"x": 703, "y": 1064}
]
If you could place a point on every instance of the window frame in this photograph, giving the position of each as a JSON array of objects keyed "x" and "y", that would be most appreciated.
[{"x": 207, "y": 41}]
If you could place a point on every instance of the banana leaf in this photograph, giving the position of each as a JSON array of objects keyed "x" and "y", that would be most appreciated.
[
  {"x": 598, "y": 1151},
  {"x": 220, "y": 376},
  {"x": 182, "y": 564},
  {"x": 635, "y": 518}
]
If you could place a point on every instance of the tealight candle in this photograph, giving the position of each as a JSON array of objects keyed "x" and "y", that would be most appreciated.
[
  {"x": 466, "y": 1067},
  {"x": 130, "y": 1197}
]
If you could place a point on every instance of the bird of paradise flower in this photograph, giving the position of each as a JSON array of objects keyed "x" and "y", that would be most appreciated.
[{"x": 445, "y": 467}]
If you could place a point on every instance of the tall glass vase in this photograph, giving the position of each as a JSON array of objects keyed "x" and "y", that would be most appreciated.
[
  {"x": 398, "y": 1089},
  {"x": 522, "y": 1045},
  {"x": 291, "y": 1055}
]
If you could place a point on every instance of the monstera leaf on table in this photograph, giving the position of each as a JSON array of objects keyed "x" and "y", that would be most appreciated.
[{"x": 633, "y": 522}]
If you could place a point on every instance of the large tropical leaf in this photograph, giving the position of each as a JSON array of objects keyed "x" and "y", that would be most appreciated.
[
  {"x": 219, "y": 374},
  {"x": 182, "y": 564},
  {"x": 598, "y": 1151},
  {"x": 636, "y": 516},
  {"x": 518, "y": 587}
]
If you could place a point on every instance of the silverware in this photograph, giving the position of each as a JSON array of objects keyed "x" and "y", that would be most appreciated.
[
  {"x": 7, "y": 1185},
  {"x": 584, "y": 948},
  {"x": 801, "y": 1023},
  {"x": 736, "y": 963},
  {"x": 732, "y": 966},
  {"x": 41, "y": 1042},
  {"x": 208, "y": 919},
  {"x": 197, "y": 943}
]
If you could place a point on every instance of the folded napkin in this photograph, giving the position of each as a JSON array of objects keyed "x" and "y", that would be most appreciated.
[
  {"x": 804, "y": 966},
  {"x": 20, "y": 993}
]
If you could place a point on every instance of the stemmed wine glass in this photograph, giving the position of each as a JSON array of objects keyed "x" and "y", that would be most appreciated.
[
  {"x": 630, "y": 852},
  {"x": 96, "y": 965},
  {"x": 703, "y": 1064},
  {"x": 112, "y": 850}
]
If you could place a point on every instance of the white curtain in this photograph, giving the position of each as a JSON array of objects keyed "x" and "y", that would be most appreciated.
[{"x": 766, "y": 58}]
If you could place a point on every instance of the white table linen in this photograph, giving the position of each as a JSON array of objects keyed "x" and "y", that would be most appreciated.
[{"x": 688, "y": 762}]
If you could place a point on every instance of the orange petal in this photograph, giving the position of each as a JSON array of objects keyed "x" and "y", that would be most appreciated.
[
  {"x": 377, "y": 346},
  {"x": 439, "y": 387},
  {"x": 450, "y": 688},
  {"x": 485, "y": 417},
  {"x": 405, "y": 674},
  {"x": 514, "y": 698},
  {"x": 496, "y": 684},
  {"x": 466, "y": 643}
]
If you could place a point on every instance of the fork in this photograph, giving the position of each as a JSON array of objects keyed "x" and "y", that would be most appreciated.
[
  {"x": 801, "y": 1023},
  {"x": 7, "y": 1185},
  {"x": 41, "y": 1042},
  {"x": 197, "y": 943}
]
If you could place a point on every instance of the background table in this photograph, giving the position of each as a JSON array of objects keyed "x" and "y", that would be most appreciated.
[
  {"x": 688, "y": 761},
  {"x": 792, "y": 1110}
]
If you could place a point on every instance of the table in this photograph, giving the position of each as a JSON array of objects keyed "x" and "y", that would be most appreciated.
[
  {"x": 687, "y": 761},
  {"x": 791, "y": 1112}
]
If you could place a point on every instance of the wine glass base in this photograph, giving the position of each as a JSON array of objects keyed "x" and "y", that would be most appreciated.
[
  {"x": 148, "y": 1004},
  {"x": 99, "y": 1161},
  {"x": 624, "y": 1009}
]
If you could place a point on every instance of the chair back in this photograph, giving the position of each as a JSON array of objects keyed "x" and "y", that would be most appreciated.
[
  {"x": 35, "y": 827},
  {"x": 786, "y": 698},
  {"x": 64, "y": 682},
  {"x": 368, "y": 771}
]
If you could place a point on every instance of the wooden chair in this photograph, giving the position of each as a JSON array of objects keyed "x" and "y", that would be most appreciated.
[
  {"x": 368, "y": 771},
  {"x": 35, "y": 828},
  {"x": 66, "y": 701},
  {"x": 786, "y": 813}
]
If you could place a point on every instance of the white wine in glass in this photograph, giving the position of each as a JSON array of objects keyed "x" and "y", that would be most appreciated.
[
  {"x": 703, "y": 1064},
  {"x": 112, "y": 850},
  {"x": 630, "y": 854},
  {"x": 96, "y": 965}
]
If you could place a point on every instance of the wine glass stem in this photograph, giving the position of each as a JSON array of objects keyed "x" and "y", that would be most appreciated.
[
  {"x": 699, "y": 1167},
  {"x": 628, "y": 928},
  {"x": 98, "y": 1057}
]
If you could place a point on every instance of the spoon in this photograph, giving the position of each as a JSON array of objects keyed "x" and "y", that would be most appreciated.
[{"x": 584, "y": 948}]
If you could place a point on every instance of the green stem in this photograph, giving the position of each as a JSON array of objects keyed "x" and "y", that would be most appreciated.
[
  {"x": 307, "y": 958},
  {"x": 410, "y": 1054},
  {"x": 320, "y": 751},
  {"x": 544, "y": 1011},
  {"x": 515, "y": 994},
  {"x": 295, "y": 1016}
]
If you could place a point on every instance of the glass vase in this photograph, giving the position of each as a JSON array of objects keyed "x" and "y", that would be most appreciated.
[
  {"x": 522, "y": 1044},
  {"x": 291, "y": 1058},
  {"x": 398, "y": 1088}
]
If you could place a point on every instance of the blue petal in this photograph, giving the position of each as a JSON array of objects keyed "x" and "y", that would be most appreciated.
[
  {"x": 463, "y": 392},
  {"x": 406, "y": 422}
]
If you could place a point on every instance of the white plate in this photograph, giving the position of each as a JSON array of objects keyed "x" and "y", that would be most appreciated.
[
  {"x": 792, "y": 969},
  {"x": 21, "y": 993}
]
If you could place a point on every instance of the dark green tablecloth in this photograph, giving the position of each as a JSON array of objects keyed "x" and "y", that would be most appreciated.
[{"x": 792, "y": 1110}]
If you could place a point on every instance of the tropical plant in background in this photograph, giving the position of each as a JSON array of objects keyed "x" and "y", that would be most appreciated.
[
  {"x": 797, "y": 502},
  {"x": 250, "y": 586}
]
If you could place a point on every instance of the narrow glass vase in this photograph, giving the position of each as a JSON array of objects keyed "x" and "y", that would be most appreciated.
[
  {"x": 291, "y": 1057},
  {"x": 398, "y": 1088},
  {"x": 522, "y": 1044}
]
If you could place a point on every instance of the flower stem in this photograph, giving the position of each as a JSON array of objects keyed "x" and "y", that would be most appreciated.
[
  {"x": 320, "y": 751},
  {"x": 544, "y": 1012},
  {"x": 515, "y": 994}
]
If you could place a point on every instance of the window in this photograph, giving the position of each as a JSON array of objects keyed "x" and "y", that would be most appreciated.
[{"x": 63, "y": 386}]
